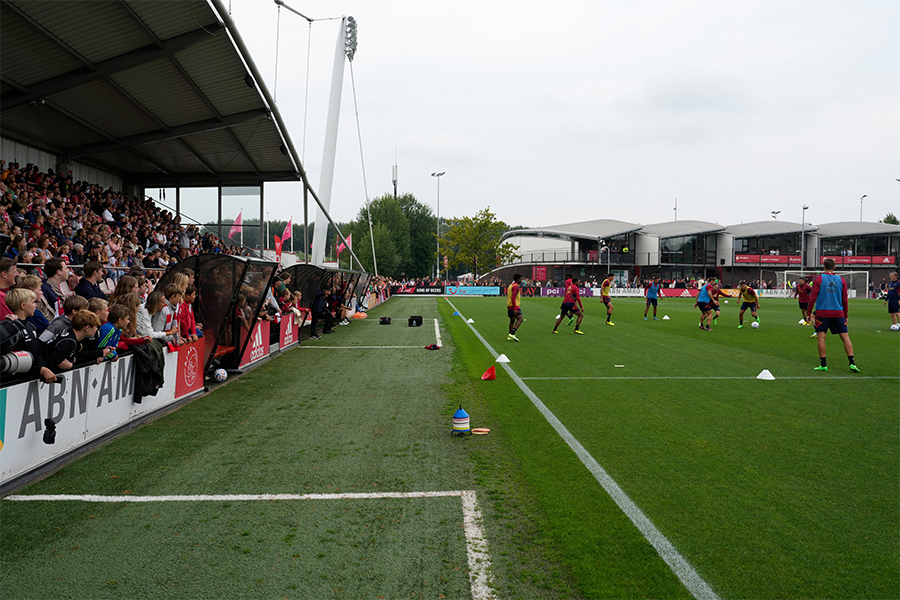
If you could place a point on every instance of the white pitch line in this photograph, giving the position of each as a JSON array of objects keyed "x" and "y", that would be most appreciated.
[
  {"x": 819, "y": 377},
  {"x": 437, "y": 333},
  {"x": 666, "y": 550},
  {"x": 477, "y": 554},
  {"x": 357, "y": 347}
]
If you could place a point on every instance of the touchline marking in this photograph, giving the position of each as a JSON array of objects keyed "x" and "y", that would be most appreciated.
[
  {"x": 679, "y": 565},
  {"x": 437, "y": 333},
  {"x": 479, "y": 558},
  {"x": 357, "y": 347},
  {"x": 820, "y": 377}
]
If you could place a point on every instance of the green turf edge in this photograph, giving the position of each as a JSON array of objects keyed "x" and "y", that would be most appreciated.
[{"x": 575, "y": 524}]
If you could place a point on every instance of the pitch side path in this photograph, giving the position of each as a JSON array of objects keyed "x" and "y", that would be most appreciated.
[{"x": 637, "y": 461}]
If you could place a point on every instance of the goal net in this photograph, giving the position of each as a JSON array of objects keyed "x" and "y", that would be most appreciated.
[{"x": 857, "y": 281}]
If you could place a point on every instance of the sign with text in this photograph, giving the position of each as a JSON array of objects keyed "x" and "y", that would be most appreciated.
[
  {"x": 539, "y": 273},
  {"x": 290, "y": 332},
  {"x": 473, "y": 290},
  {"x": 767, "y": 259},
  {"x": 190, "y": 369},
  {"x": 258, "y": 348},
  {"x": 860, "y": 260}
]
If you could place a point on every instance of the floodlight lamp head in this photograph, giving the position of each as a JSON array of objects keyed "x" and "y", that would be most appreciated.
[{"x": 350, "y": 41}]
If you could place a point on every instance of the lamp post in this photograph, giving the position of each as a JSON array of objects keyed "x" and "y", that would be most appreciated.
[
  {"x": 860, "y": 206},
  {"x": 803, "y": 240},
  {"x": 437, "y": 271}
]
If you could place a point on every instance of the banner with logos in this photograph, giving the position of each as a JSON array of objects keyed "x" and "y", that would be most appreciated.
[
  {"x": 539, "y": 273},
  {"x": 431, "y": 290},
  {"x": 258, "y": 348},
  {"x": 190, "y": 369},
  {"x": 767, "y": 259},
  {"x": 860, "y": 260},
  {"x": 472, "y": 290},
  {"x": 290, "y": 332}
]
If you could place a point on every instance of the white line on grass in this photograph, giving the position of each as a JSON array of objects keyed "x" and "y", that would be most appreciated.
[
  {"x": 357, "y": 347},
  {"x": 476, "y": 545},
  {"x": 679, "y": 565},
  {"x": 437, "y": 333},
  {"x": 819, "y": 377}
]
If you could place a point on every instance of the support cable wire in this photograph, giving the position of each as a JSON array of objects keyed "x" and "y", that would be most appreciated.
[
  {"x": 363, "y": 161},
  {"x": 277, "y": 46}
]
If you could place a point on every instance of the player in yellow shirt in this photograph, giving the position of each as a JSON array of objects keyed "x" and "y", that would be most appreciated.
[
  {"x": 514, "y": 307},
  {"x": 604, "y": 297},
  {"x": 749, "y": 299}
]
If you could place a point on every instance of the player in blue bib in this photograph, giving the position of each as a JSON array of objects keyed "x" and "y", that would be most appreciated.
[{"x": 652, "y": 297}]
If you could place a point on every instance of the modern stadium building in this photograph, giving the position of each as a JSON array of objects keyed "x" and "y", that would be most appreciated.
[{"x": 694, "y": 249}]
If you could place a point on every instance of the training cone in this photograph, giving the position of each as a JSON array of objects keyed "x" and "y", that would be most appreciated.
[
  {"x": 502, "y": 358},
  {"x": 665, "y": 317},
  {"x": 455, "y": 313},
  {"x": 766, "y": 375},
  {"x": 470, "y": 321},
  {"x": 490, "y": 374}
]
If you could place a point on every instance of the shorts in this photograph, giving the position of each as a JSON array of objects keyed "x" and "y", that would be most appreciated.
[
  {"x": 804, "y": 305},
  {"x": 604, "y": 299},
  {"x": 513, "y": 312},
  {"x": 832, "y": 324},
  {"x": 750, "y": 305},
  {"x": 651, "y": 301},
  {"x": 567, "y": 307},
  {"x": 704, "y": 306},
  {"x": 893, "y": 306}
]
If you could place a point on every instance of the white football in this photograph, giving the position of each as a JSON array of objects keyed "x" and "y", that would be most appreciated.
[
  {"x": 220, "y": 375},
  {"x": 895, "y": 327},
  {"x": 726, "y": 302},
  {"x": 754, "y": 325}
]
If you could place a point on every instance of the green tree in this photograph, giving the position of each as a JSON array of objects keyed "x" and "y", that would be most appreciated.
[
  {"x": 474, "y": 242},
  {"x": 890, "y": 218}
]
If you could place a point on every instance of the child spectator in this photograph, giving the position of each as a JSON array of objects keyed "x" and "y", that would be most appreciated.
[
  {"x": 22, "y": 303},
  {"x": 60, "y": 354},
  {"x": 33, "y": 283},
  {"x": 89, "y": 349},
  {"x": 61, "y": 324},
  {"x": 187, "y": 325},
  {"x": 152, "y": 307},
  {"x": 132, "y": 303},
  {"x": 167, "y": 318},
  {"x": 111, "y": 331}
]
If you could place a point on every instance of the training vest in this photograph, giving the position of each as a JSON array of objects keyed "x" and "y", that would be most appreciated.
[{"x": 831, "y": 293}]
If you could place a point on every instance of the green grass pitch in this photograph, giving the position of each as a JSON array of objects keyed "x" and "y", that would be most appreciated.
[{"x": 785, "y": 488}]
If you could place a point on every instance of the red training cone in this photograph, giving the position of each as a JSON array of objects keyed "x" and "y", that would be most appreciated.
[{"x": 490, "y": 374}]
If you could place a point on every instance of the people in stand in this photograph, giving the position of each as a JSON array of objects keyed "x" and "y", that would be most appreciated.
[
  {"x": 33, "y": 283},
  {"x": 89, "y": 285}
]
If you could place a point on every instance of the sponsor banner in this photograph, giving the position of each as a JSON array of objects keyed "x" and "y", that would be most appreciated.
[
  {"x": 860, "y": 260},
  {"x": 473, "y": 290},
  {"x": 85, "y": 403},
  {"x": 678, "y": 293},
  {"x": 190, "y": 368},
  {"x": 731, "y": 293},
  {"x": 539, "y": 273},
  {"x": 554, "y": 292},
  {"x": 258, "y": 348},
  {"x": 767, "y": 259},
  {"x": 290, "y": 332},
  {"x": 435, "y": 290}
]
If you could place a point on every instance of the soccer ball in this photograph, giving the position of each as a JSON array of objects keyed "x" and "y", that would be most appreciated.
[
  {"x": 895, "y": 327},
  {"x": 755, "y": 324},
  {"x": 726, "y": 302},
  {"x": 220, "y": 375}
]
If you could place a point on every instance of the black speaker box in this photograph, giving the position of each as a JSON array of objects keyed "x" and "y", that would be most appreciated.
[
  {"x": 385, "y": 320},
  {"x": 415, "y": 321}
]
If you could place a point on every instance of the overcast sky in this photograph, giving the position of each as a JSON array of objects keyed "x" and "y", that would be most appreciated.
[{"x": 557, "y": 112}]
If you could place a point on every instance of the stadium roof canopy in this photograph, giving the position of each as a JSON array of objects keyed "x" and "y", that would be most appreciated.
[
  {"x": 598, "y": 229},
  {"x": 163, "y": 94},
  {"x": 764, "y": 228},
  {"x": 680, "y": 228},
  {"x": 854, "y": 228}
]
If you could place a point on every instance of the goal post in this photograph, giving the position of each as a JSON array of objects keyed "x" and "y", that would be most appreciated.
[{"x": 857, "y": 281}]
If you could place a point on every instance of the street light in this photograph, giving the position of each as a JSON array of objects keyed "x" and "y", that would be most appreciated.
[
  {"x": 803, "y": 240},
  {"x": 437, "y": 271},
  {"x": 860, "y": 206},
  {"x": 775, "y": 214}
]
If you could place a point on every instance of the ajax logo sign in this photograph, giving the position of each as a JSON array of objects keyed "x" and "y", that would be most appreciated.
[{"x": 191, "y": 366}]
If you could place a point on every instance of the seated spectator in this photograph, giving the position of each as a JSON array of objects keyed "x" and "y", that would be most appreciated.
[
  {"x": 37, "y": 318},
  {"x": 126, "y": 285},
  {"x": 77, "y": 254},
  {"x": 8, "y": 274},
  {"x": 152, "y": 307},
  {"x": 89, "y": 285},
  {"x": 89, "y": 349},
  {"x": 167, "y": 318},
  {"x": 16, "y": 249},
  {"x": 22, "y": 303},
  {"x": 57, "y": 272}
]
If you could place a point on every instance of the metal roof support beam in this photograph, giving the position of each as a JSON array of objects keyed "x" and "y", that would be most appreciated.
[{"x": 107, "y": 68}]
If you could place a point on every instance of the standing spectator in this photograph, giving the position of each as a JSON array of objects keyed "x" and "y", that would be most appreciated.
[
  {"x": 89, "y": 286},
  {"x": 56, "y": 272}
]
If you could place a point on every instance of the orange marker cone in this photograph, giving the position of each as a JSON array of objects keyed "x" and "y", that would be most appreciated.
[{"x": 490, "y": 374}]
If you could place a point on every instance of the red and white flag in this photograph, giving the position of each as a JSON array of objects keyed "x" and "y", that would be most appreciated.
[
  {"x": 236, "y": 227},
  {"x": 348, "y": 245},
  {"x": 278, "y": 246},
  {"x": 287, "y": 232}
]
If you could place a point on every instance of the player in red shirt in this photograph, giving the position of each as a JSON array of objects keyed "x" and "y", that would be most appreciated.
[
  {"x": 514, "y": 307},
  {"x": 801, "y": 292},
  {"x": 571, "y": 305}
]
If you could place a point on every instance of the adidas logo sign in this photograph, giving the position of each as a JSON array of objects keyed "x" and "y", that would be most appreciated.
[{"x": 685, "y": 294}]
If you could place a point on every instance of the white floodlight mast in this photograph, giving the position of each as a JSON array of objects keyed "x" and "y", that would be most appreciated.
[{"x": 328, "y": 154}]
